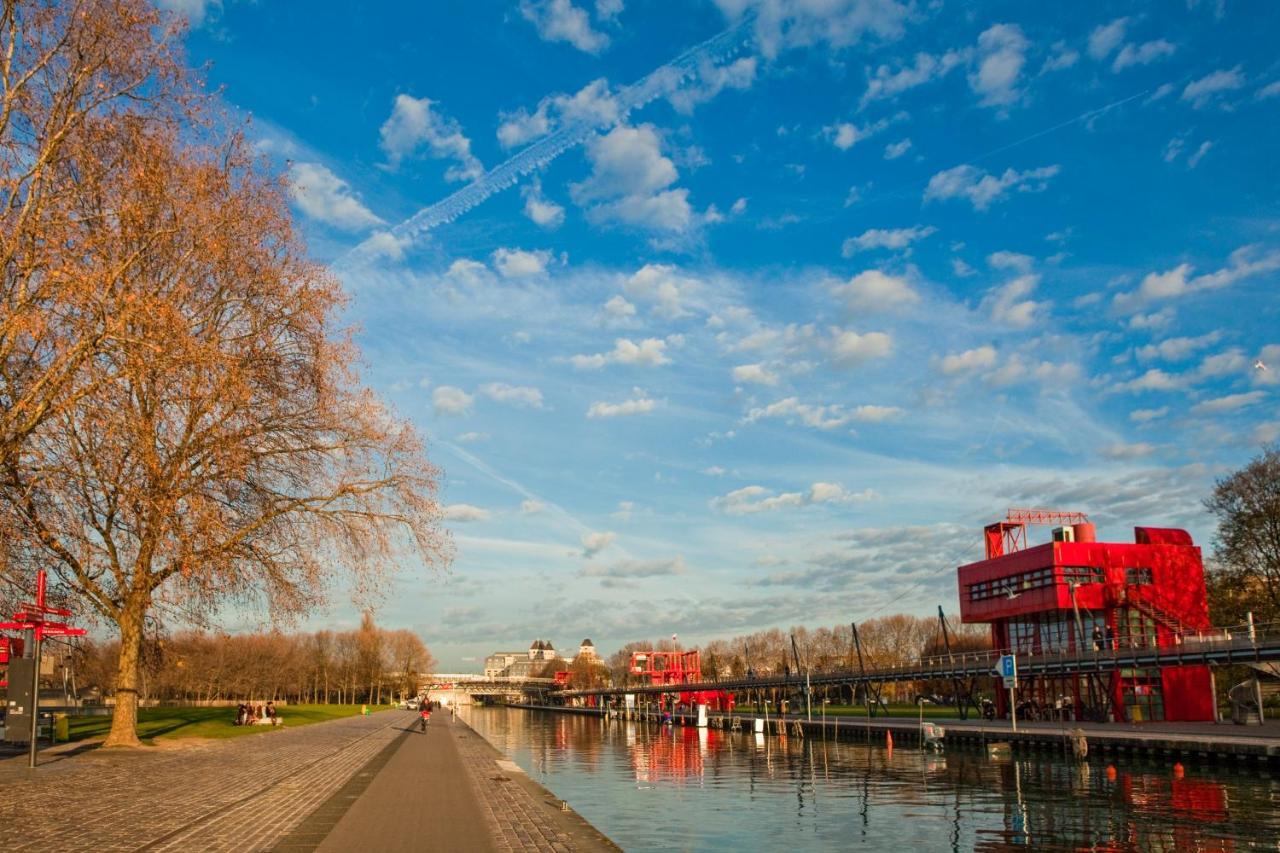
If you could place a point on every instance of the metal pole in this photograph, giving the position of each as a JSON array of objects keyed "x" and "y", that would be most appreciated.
[
  {"x": 35, "y": 700},
  {"x": 1013, "y": 705}
]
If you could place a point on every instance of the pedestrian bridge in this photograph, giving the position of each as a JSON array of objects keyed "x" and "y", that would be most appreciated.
[{"x": 464, "y": 688}]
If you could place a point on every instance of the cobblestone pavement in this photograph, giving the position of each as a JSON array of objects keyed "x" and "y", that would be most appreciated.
[
  {"x": 242, "y": 794},
  {"x": 522, "y": 815}
]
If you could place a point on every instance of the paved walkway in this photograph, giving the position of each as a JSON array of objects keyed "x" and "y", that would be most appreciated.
[{"x": 362, "y": 782}]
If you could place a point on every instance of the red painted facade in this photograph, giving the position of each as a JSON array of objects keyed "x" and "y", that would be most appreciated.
[{"x": 1076, "y": 593}]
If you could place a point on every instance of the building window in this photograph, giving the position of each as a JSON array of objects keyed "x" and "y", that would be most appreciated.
[
  {"x": 1137, "y": 577},
  {"x": 1082, "y": 574},
  {"x": 1013, "y": 585}
]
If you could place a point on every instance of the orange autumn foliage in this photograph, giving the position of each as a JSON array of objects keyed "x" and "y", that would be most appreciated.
[{"x": 184, "y": 424}]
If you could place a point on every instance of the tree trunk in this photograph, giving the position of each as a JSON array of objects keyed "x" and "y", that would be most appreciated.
[{"x": 124, "y": 722}]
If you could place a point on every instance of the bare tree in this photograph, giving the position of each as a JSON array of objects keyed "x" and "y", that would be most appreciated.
[{"x": 1247, "y": 506}]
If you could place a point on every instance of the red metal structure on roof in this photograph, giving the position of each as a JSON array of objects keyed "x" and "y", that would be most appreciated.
[
  {"x": 662, "y": 668},
  {"x": 1005, "y": 537},
  {"x": 1075, "y": 593},
  {"x": 33, "y": 617}
]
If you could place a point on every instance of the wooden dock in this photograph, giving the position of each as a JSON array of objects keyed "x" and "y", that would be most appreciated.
[{"x": 1258, "y": 746}]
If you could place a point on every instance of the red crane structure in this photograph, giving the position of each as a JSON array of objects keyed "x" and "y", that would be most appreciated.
[{"x": 662, "y": 668}]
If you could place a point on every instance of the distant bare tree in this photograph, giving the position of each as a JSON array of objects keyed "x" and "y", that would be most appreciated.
[{"x": 1247, "y": 506}]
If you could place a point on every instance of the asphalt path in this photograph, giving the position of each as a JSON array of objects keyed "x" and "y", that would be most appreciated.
[{"x": 419, "y": 800}]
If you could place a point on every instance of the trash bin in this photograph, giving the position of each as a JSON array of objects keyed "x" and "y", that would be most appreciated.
[{"x": 61, "y": 728}]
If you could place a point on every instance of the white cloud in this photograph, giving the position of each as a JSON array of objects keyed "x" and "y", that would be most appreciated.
[
  {"x": 1177, "y": 349},
  {"x": 1243, "y": 263},
  {"x": 969, "y": 361},
  {"x": 876, "y": 414},
  {"x": 541, "y": 210},
  {"x": 1007, "y": 303},
  {"x": 1271, "y": 90},
  {"x": 465, "y": 512},
  {"x": 750, "y": 500},
  {"x": 886, "y": 82},
  {"x": 894, "y": 239},
  {"x": 629, "y": 182},
  {"x": 414, "y": 125},
  {"x": 960, "y": 269},
  {"x": 1229, "y": 403},
  {"x": 1143, "y": 54},
  {"x": 516, "y": 395},
  {"x": 894, "y": 150},
  {"x": 323, "y": 196},
  {"x": 634, "y": 406},
  {"x": 1203, "y": 91},
  {"x": 873, "y": 291},
  {"x": 638, "y": 569},
  {"x": 1142, "y": 416},
  {"x": 1001, "y": 54},
  {"x": 1061, "y": 57},
  {"x": 981, "y": 188},
  {"x": 593, "y": 104},
  {"x": 1107, "y": 38},
  {"x": 650, "y": 352},
  {"x": 595, "y": 542},
  {"x": 619, "y": 308},
  {"x": 787, "y": 24},
  {"x": 386, "y": 245},
  {"x": 532, "y": 507},
  {"x": 624, "y": 511},
  {"x": 472, "y": 437},
  {"x": 791, "y": 410},
  {"x": 518, "y": 263},
  {"x": 663, "y": 288},
  {"x": 712, "y": 80},
  {"x": 1121, "y": 452},
  {"x": 850, "y": 348},
  {"x": 560, "y": 20},
  {"x": 845, "y": 135},
  {"x": 739, "y": 207},
  {"x": 1153, "y": 380},
  {"x": 1005, "y": 260},
  {"x": 756, "y": 374},
  {"x": 1222, "y": 364},
  {"x": 1194, "y": 159},
  {"x": 607, "y": 10},
  {"x": 449, "y": 400}
]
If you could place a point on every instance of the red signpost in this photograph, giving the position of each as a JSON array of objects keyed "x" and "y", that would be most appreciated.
[{"x": 33, "y": 617}]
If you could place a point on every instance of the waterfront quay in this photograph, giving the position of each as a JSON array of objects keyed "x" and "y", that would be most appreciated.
[
  {"x": 368, "y": 782},
  {"x": 1259, "y": 745}
]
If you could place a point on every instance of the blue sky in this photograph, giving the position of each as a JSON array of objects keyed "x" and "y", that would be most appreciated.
[{"x": 771, "y": 348}]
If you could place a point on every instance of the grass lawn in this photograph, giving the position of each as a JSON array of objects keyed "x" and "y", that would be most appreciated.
[{"x": 168, "y": 723}]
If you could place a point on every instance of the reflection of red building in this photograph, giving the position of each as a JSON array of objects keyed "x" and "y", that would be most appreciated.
[{"x": 1077, "y": 593}]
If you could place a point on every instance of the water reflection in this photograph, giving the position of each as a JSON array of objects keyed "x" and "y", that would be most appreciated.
[{"x": 661, "y": 788}]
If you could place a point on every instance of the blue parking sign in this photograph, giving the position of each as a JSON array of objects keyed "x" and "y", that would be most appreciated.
[{"x": 1006, "y": 666}]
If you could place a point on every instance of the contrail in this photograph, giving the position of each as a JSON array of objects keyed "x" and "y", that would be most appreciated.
[{"x": 661, "y": 81}]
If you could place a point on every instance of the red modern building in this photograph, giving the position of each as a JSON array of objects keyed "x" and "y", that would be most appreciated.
[{"x": 1075, "y": 593}]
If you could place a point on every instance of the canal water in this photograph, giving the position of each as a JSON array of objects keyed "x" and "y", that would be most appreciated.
[{"x": 660, "y": 788}]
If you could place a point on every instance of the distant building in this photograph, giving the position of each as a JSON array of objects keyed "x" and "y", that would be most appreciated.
[
  {"x": 520, "y": 664},
  {"x": 586, "y": 650}
]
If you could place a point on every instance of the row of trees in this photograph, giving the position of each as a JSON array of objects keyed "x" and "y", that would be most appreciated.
[
  {"x": 181, "y": 420},
  {"x": 885, "y": 641},
  {"x": 370, "y": 664}
]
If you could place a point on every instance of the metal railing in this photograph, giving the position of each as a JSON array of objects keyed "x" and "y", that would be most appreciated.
[{"x": 1255, "y": 643}]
